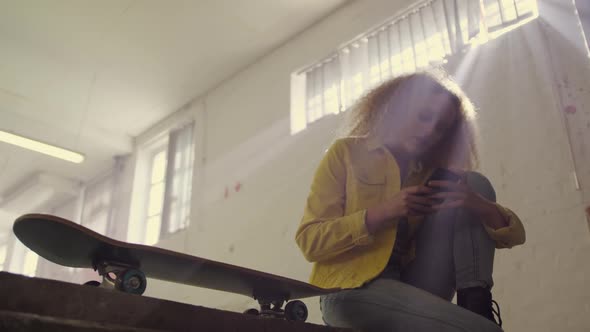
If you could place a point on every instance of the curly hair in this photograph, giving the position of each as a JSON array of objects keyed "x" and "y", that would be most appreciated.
[{"x": 370, "y": 115}]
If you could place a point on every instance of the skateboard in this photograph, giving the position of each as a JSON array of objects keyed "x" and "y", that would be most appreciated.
[{"x": 125, "y": 266}]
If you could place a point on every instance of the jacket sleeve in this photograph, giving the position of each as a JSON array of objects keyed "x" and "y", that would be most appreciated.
[
  {"x": 511, "y": 235},
  {"x": 324, "y": 231},
  {"x": 505, "y": 237}
]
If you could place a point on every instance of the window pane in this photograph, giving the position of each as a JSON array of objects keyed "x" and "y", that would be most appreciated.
[
  {"x": 159, "y": 167},
  {"x": 526, "y": 7},
  {"x": 152, "y": 233},
  {"x": 180, "y": 178},
  {"x": 176, "y": 184},
  {"x": 156, "y": 199},
  {"x": 173, "y": 220},
  {"x": 408, "y": 60},
  {"x": 30, "y": 264},
  {"x": 508, "y": 10},
  {"x": 186, "y": 196},
  {"x": 178, "y": 160},
  {"x": 2, "y": 256},
  {"x": 184, "y": 211},
  {"x": 185, "y": 217},
  {"x": 493, "y": 16},
  {"x": 420, "y": 46}
]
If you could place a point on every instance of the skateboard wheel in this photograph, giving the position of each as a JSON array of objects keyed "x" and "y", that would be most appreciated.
[
  {"x": 252, "y": 312},
  {"x": 131, "y": 281},
  {"x": 92, "y": 283},
  {"x": 296, "y": 311}
]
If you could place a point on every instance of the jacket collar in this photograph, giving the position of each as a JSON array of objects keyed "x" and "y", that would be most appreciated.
[{"x": 374, "y": 143}]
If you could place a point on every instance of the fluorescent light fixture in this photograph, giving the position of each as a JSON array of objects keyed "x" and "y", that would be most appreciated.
[{"x": 37, "y": 146}]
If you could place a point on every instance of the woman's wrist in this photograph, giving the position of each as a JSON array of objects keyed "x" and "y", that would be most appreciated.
[
  {"x": 371, "y": 220},
  {"x": 492, "y": 216},
  {"x": 374, "y": 219}
]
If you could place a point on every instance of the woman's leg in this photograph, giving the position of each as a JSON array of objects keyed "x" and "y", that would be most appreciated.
[
  {"x": 474, "y": 255},
  {"x": 391, "y": 305},
  {"x": 433, "y": 267},
  {"x": 454, "y": 252},
  {"x": 474, "y": 249}
]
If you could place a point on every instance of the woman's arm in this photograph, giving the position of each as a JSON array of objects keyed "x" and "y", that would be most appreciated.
[
  {"x": 325, "y": 232},
  {"x": 477, "y": 194},
  {"x": 508, "y": 235}
]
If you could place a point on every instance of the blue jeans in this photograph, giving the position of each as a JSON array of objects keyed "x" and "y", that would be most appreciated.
[{"x": 453, "y": 251}]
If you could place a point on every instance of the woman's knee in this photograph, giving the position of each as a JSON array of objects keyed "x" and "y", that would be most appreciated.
[{"x": 480, "y": 184}]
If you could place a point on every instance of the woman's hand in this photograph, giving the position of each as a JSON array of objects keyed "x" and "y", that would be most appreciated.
[
  {"x": 455, "y": 195},
  {"x": 410, "y": 201}
]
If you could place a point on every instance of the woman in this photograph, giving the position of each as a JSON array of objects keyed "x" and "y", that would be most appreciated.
[{"x": 401, "y": 247}]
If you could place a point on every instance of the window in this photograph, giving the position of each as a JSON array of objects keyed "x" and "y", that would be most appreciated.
[
  {"x": 157, "y": 184},
  {"x": 170, "y": 185},
  {"x": 30, "y": 263},
  {"x": 421, "y": 38},
  {"x": 502, "y": 14},
  {"x": 3, "y": 251},
  {"x": 179, "y": 180}
]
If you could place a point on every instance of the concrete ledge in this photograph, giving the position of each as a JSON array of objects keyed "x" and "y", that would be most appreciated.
[
  {"x": 50, "y": 299},
  {"x": 20, "y": 322}
]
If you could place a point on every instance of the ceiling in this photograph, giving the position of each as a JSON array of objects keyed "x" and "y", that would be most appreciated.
[{"x": 89, "y": 75}]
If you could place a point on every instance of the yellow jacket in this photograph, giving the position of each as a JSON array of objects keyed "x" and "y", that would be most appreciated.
[{"x": 357, "y": 173}]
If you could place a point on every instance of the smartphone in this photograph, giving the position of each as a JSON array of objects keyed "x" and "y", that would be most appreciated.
[{"x": 442, "y": 174}]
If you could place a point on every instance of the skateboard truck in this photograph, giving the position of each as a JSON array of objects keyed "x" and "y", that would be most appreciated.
[
  {"x": 125, "y": 278},
  {"x": 271, "y": 306}
]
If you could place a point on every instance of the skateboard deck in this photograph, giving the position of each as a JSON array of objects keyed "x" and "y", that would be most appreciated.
[{"x": 125, "y": 266}]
